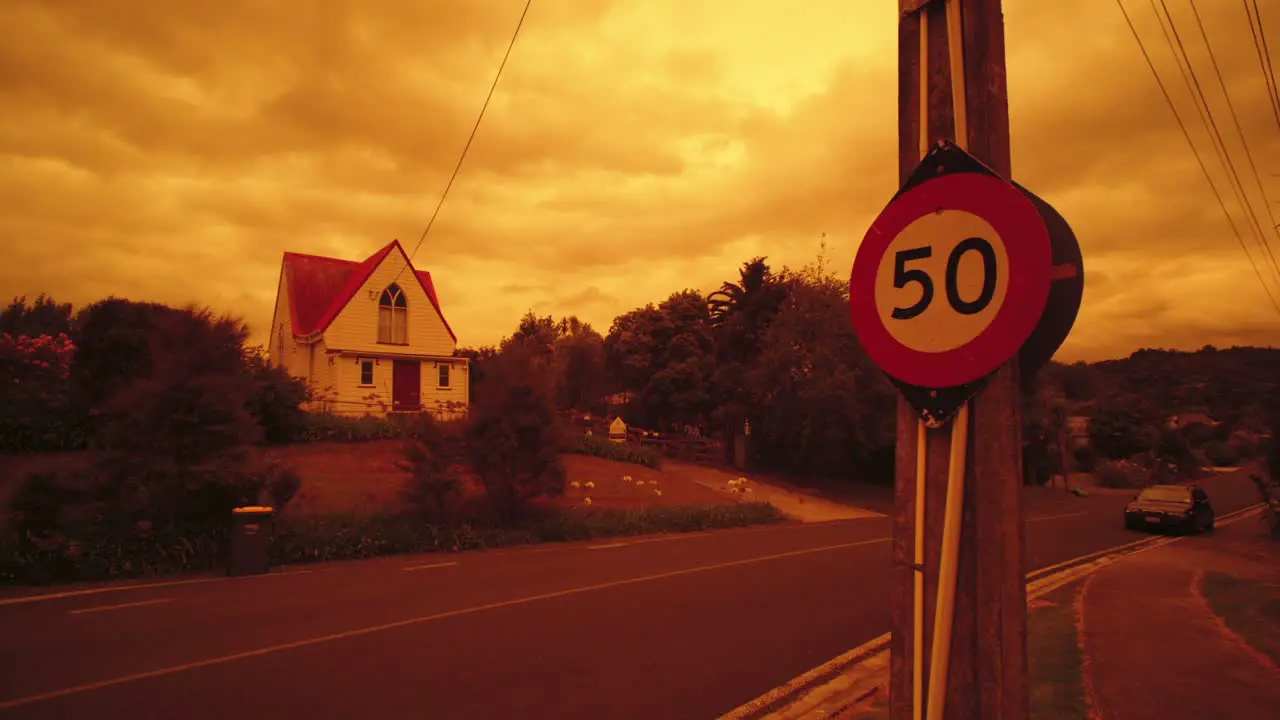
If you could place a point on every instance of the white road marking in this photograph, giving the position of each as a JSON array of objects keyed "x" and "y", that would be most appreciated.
[
  {"x": 144, "y": 586},
  {"x": 1056, "y": 517},
  {"x": 104, "y": 608},
  {"x": 602, "y": 547},
  {"x": 429, "y": 566},
  {"x": 172, "y": 669}
]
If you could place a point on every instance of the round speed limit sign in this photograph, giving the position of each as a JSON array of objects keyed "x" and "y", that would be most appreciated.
[{"x": 950, "y": 280}]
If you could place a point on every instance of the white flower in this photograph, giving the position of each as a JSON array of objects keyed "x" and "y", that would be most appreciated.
[
  {"x": 657, "y": 491},
  {"x": 639, "y": 483},
  {"x": 589, "y": 484},
  {"x": 746, "y": 490},
  {"x": 626, "y": 478},
  {"x": 575, "y": 484},
  {"x": 586, "y": 501},
  {"x": 588, "y": 433}
]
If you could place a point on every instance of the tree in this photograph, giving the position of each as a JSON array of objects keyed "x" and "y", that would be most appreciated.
[
  {"x": 512, "y": 438},
  {"x": 34, "y": 393},
  {"x": 191, "y": 406},
  {"x": 42, "y": 317},
  {"x": 579, "y": 361},
  {"x": 112, "y": 348},
  {"x": 275, "y": 398},
  {"x": 176, "y": 437},
  {"x": 740, "y": 311},
  {"x": 478, "y": 368},
  {"x": 665, "y": 356},
  {"x": 1122, "y": 426},
  {"x": 539, "y": 334},
  {"x": 434, "y": 456},
  {"x": 817, "y": 404}
]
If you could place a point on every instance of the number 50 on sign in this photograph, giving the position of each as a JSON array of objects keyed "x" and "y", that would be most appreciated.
[{"x": 950, "y": 280}]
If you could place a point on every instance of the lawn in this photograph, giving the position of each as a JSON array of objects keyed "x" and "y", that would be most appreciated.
[
  {"x": 1250, "y": 607},
  {"x": 1054, "y": 664},
  {"x": 361, "y": 478}
]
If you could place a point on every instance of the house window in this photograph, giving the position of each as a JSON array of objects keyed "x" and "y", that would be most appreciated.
[
  {"x": 366, "y": 373},
  {"x": 393, "y": 316},
  {"x": 444, "y": 375}
]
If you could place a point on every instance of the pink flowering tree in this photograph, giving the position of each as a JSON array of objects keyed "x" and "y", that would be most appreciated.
[{"x": 34, "y": 388}]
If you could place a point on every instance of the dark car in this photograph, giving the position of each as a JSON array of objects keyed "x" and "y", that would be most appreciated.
[{"x": 1184, "y": 508}]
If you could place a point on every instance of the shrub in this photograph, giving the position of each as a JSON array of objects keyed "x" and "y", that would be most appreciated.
[
  {"x": 434, "y": 457},
  {"x": 281, "y": 484},
  {"x": 41, "y": 502},
  {"x": 1120, "y": 474},
  {"x": 348, "y": 428},
  {"x": 1175, "y": 457},
  {"x": 35, "y": 409},
  {"x": 1222, "y": 454},
  {"x": 583, "y": 444},
  {"x": 587, "y": 524},
  {"x": 512, "y": 436},
  {"x": 1086, "y": 458},
  {"x": 274, "y": 399},
  {"x": 142, "y": 549}
]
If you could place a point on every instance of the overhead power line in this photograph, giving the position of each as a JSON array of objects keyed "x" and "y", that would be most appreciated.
[
  {"x": 1226, "y": 93},
  {"x": 1224, "y": 155},
  {"x": 1264, "y": 59},
  {"x": 474, "y": 129},
  {"x": 1203, "y": 168}
]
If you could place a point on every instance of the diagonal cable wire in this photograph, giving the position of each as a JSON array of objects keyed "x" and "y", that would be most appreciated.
[
  {"x": 474, "y": 128},
  {"x": 1243, "y": 141},
  {"x": 1268, "y": 78},
  {"x": 1266, "y": 51},
  {"x": 1233, "y": 176},
  {"x": 1183, "y": 61},
  {"x": 1221, "y": 203}
]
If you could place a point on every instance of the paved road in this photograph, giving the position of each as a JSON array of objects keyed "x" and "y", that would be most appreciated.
[{"x": 675, "y": 627}]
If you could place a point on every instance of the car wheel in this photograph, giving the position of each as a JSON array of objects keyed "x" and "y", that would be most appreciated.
[{"x": 1209, "y": 527}]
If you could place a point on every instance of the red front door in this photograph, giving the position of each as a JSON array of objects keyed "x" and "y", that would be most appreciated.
[{"x": 406, "y": 385}]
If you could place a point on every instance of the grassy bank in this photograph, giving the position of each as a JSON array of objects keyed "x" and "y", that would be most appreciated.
[{"x": 1249, "y": 607}]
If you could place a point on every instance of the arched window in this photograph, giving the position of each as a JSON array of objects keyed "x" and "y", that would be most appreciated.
[{"x": 393, "y": 316}]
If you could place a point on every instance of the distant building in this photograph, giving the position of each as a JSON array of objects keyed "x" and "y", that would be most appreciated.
[{"x": 368, "y": 337}]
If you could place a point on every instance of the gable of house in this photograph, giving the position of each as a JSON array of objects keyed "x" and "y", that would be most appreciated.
[{"x": 339, "y": 299}]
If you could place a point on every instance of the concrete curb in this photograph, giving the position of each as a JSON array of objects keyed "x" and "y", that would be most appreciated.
[{"x": 860, "y": 675}]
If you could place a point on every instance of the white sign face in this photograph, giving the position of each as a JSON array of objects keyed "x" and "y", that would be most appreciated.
[{"x": 942, "y": 281}]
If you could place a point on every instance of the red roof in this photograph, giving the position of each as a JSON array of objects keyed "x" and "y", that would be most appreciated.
[{"x": 319, "y": 287}]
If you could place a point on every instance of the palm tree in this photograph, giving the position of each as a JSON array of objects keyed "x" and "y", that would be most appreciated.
[
  {"x": 755, "y": 279},
  {"x": 740, "y": 311}
]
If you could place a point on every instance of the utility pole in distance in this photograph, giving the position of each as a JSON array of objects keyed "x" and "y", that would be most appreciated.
[{"x": 987, "y": 673}]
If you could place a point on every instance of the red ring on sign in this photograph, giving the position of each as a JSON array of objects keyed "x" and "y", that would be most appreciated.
[{"x": 1027, "y": 248}]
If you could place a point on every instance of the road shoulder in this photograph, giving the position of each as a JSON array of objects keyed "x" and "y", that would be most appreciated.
[{"x": 1155, "y": 648}]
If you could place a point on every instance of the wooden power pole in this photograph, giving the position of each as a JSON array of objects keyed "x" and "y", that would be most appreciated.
[{"x": 987, "y": 676}]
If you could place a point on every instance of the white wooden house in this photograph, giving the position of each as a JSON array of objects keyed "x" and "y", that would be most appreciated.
[{"x": 368, "y": 337}]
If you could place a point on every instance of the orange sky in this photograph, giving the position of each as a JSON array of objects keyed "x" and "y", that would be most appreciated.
[{"x": 172, "y": 151}]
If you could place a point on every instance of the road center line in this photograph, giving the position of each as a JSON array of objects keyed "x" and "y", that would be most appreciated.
[
  {"x": 1056, "y": 517},
  {"x": 429, "y": 566},
  {"x": 173, "y": 669},
  {"x": 144, "y": 586},
  {"x": 103, "y": 608}
]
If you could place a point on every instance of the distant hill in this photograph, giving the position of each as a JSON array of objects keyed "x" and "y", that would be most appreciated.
[{"x": 1229, "y": 385}]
